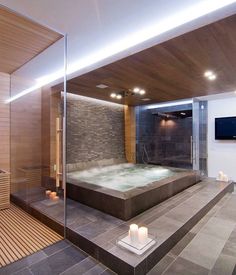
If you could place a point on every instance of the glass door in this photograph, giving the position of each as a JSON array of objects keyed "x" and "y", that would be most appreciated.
[
  {"x": 36, "y": 135},
  {"x": 165, "y": 135}
]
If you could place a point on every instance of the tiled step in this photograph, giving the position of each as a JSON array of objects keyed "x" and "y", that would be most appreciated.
[
  {"x": 209, "y": 248},
  {"x": 96, "y": 232},
  {"x": 170, "y": 221}
]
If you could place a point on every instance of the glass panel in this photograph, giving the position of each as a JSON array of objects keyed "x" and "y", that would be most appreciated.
[
  {"x": 164, "y": 135},
  {"x": 36, "y": 135},
  {"x": 200, "y": 136}
]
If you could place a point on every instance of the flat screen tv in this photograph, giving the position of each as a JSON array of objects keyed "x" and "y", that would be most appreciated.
[{"x": 225, "y": 128}]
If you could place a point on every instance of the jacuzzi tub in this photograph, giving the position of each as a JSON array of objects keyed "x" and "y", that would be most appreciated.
[{"x": 125, "y": 190}]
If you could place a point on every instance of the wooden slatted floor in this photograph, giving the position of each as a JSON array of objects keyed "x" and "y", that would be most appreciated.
[{"x": 22, "y": 235}]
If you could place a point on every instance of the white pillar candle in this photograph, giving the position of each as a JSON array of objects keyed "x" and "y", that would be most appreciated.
[
  {"x": 220, "y": 175},
  {"x": 55, "y": 198},
  {"x": 133, "y": 232},
  {"x": 52, "y": 195},
  {"x": 142, "y": 235},
  {"x": 48, "y": 192},
  {"x": 225, "y": 178}
]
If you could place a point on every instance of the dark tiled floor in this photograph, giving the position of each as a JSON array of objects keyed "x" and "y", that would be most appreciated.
[
  {"x": 209, "y": 248},
  {"x": 60, "y": 258},
  {"x": 166, "y": 218}
]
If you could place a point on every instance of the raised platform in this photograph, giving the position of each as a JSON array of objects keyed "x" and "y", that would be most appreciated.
[
  {"x": 96, "y": 232},
  {"x": 130, "y": 203}
]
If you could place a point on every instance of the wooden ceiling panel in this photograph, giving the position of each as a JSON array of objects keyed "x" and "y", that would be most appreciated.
[
  {"x": 172, "y": 70},
  {"x": 21, "y": 40}
]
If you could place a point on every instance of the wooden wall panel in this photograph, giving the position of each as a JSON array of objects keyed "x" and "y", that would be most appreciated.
[
  {"x": 130, "y": 134},
  {"x": 26, "y": 138},
  {"x": 4, "y": 122}
]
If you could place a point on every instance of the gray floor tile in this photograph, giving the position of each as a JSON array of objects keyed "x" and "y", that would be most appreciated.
[
  {"x": 162, "y": 265},
  {"x": 230, "y": 249},
  {"x": 224, "y": 265},
  {"x": 24, "y": 271},
  {"x": 97, "y": 269},
  {"x": 81, "y": 267},
  {"x": 56, "y": 247},
  {"x": 108, "y": 272},
  {"x": 23, "y": 263},
  {"x": 203, "y": 250},
  {"x": 58, "y": 262},
  {"x": 184, "y": 267},
  {"x": 179, "y": 247},
  {"x": 218, "y": 228}
]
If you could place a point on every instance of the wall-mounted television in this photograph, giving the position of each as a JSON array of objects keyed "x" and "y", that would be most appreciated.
[{"x": 225, "y": 128}]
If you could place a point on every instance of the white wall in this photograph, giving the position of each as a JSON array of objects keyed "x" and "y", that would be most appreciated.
[{"x": 221, "y": 153}]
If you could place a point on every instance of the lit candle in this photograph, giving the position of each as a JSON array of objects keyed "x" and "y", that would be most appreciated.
[
  {"x": 48, "y": 192},
  {"x": 53, "y": 194},
  {"x": 55, "y": 198},
  {"x": 133, "y": 233},
  {"x": 142, "y": 235},
  {"x": 225, "y": 178},
  {"x": 220, "y": 175}
]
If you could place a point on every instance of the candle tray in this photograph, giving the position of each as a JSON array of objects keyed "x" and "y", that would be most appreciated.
[{"x": 137, "y": 248}]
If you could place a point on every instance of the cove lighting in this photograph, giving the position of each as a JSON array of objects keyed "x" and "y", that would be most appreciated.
[
  {"x": 200, "y": 8},
  {"x": 168, "y": 104}
]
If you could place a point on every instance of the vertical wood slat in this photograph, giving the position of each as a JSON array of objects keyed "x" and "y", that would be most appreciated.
[
  {"x": 22, "y": 235},
  {"x": 4, "y": 190},
  {"x": 4, "y": 140}
]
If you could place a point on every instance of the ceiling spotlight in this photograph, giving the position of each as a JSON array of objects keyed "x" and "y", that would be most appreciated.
[
  {"x": 113, "y": 95},
  {"x": 118, "y": 96},
  {"x": 208, "y": 73},
  {"x": 212, "y": 77},
  {"x": 142, "y": 92},
  {"x": 136, "y": 90}
]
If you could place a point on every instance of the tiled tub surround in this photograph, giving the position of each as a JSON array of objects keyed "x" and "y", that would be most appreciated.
[
  {"x": 129, "y": 203},
  {"x": 96, "y": 232}
]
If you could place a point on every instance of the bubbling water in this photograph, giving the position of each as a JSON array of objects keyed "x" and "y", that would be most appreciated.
[{"x": 122, "y": 177}]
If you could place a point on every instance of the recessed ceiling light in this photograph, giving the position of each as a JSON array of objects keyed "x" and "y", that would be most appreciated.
[
  {"x": 208, "y": 73},
  {"x": 102, "y": 86},
  {"x": 113, "y": 95},
  {"x": 146, "y": 99},
  {"x": 136, "y": 90},
  {"x": 142, "y": 92},
  {"x": 212, "y": 77},
  {"x": 118, "y": 96},
  {"x": 183, "y": 114}
]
